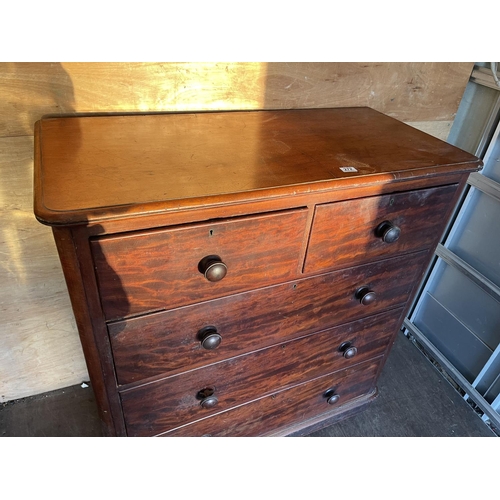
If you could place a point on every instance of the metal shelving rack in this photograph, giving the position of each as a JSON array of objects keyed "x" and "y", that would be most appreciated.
[{"x": 456, "y": 316}]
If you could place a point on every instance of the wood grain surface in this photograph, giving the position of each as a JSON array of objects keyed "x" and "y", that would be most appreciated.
[
  {"x": 127, "y": 163},
  {"x": 419, "y": 214},
  {"x": 412, "y": 92},
  {"x": 166, "y": 343},
  {"x": 279, "y": 411},
  {"x": 158, "y": 407},
  {"x": 143, "y": 347},
  {"x": 154, "y": 270},
  {"x": 39, "y": 345}
]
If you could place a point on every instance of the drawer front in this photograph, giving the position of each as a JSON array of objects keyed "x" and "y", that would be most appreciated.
[
  {"x": 280, "y": 410},
  {"x": 168, "y": 342},
  {"x": 161, "y": 269},
  {"x": 352, "y": 232},
  {"x": 157, "y": 407}
]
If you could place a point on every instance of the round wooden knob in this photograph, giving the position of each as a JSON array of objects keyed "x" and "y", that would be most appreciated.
[
  {"x": 209, "y": 337},
  {"x": 212, "y": 268},
  {"x": 365, "y": 295},
  {"x": 388, "y": 231},
  {"x": 348, "y": 350},
  {"x": 207, "y": 397},
  {"x": 209, "y": 402},
  {"x": 331, "y": 397}
]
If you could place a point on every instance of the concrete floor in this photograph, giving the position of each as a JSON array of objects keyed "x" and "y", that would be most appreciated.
[{"x": 414, "y": 400}]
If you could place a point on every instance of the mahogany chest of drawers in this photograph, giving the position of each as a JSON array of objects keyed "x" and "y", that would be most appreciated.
[{"x": 241, "y": 273}]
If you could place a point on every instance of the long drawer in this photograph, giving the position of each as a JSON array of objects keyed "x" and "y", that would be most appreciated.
[
  {"x": 280, "y": 410},
  {"x": 155, "y": 350},
  {"x": 168, "y": 342},
  {"x": 167, "y": 268},
  {"x": 168, "y": 403},
  {"x": 355, "y": 231}
]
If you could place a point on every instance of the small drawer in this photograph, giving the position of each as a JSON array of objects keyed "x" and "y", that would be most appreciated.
[
  {"x": 159, "y": 406},
  {"x": 356, "y": 231},
  {"x": 280, "y": 410},
  {"x": 163, "y": 269}
]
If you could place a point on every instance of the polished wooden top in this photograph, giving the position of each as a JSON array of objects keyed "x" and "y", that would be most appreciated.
[{"x": 95, "y": 167}]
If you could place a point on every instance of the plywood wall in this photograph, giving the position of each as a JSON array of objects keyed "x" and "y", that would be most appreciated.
[{"x": 39, "y": 346}]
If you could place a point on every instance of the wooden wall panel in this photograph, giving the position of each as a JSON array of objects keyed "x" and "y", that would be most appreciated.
[
  {"x": 411, "y": 92},
  {"x": 407, "y": 91},
  {"x": 39, "y": 345}
]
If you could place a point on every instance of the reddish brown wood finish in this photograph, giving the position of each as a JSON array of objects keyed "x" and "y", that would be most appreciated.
[
  {"x": 132, "y": 165},
  {"x": 168, "y": 342},
  {"x": 157, "y": 407},
  {"x": 140, "y": 200},
  {"x": 242, "y": 204},
  {"x": 154, "y": 348},
  {"x": 344, "y": 233},
  {"x": 272, "y": 414},
  {"x": 147, "y": 271},
  {"x": 95, "y": 344}
]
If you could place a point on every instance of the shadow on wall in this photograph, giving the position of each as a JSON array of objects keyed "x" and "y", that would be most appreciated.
[
  {"x": 29, "y": 280},
  {"x": 32, "y": 90}
]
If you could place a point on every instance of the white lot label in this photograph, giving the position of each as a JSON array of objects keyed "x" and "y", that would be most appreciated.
[{"x": 348, "y": 169}]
